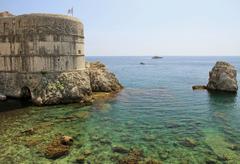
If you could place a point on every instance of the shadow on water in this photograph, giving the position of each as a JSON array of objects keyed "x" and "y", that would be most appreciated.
[
  {"x": 13, "y": 104},
  {"x": 223, "y": 106},
  {"x": 219, "y": 100}
]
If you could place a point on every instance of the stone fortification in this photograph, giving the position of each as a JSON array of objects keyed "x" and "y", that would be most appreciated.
[
  {"x": 41, "y": 42},
  {"x": 42, "y": 58}
]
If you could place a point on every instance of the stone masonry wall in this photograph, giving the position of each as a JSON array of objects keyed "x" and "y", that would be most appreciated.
[{"x": 41, "y": 42}]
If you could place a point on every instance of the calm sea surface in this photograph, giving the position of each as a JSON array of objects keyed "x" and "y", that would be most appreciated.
[{"x": 157, "y": 113}]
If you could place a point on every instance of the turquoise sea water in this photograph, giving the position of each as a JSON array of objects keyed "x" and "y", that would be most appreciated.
[{"x": 157, "y": 113}]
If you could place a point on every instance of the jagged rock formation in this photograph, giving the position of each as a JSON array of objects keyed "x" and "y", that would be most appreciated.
[
  {"x": 101, "y": 80},
  {"x": 223, "y": 77},
  {"x": 76, "y": 86}
]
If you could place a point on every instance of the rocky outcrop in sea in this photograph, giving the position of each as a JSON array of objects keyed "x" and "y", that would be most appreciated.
[
  {"x": 77, "y": 86},
  {"x": 223, "y": 77}
]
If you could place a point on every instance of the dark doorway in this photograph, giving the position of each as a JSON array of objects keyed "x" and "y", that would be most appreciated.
[{"x": 26, "y": 93}]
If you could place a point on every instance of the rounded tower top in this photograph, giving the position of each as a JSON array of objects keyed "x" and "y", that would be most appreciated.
[
  {"x": 46, "y": 15},
  {"x": 42, "y": 23},
  {"x": 41, "y": 42},
  {"x": 5, "y": 14}
]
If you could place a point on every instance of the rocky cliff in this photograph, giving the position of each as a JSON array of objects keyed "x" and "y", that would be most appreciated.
[
  {"x": 76, "y": 86},
  {"x": 223, "y": 77}
]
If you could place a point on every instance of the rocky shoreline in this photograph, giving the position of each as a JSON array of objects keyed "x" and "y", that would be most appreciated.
[{"x": 70, "y": 87}]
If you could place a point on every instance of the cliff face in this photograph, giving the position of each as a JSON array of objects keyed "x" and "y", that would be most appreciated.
[{"x": 223, "y": 77}]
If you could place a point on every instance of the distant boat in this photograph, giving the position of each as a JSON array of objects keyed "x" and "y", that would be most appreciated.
[{"x": 157, "y": 57}]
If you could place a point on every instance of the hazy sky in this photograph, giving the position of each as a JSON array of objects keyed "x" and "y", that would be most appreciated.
[{"x": 148, "y": 27}]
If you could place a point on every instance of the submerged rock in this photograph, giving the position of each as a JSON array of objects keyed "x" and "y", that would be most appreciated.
[
  {"x": 30, "y": 131},
  {"x": 149, "y": 137},
  {"x": 221, "y": 147},
  {"x": 87, "y": 152},
  {"x": 189, "y": 142},
  {"x": 211, "y": 161},
  {"x": 223, "y": 77},
  {"x": 134, "y": 157},
  {"x": 234, "y": 147},
  {"x": 32, "y": 142},
  {"x": 82, "y": 115},
  {"x": 152, "y": 161},
  {"x": 56, "y": 149},
  {"x": 102, "y": 96},
  {"x": 199, "y": 87},
  {"x": 119, "y": 149},
  {"x": 80, "y": 159},
  {"x": 66, "y": 140},
  {"x": 105, "y": 141},
  {"x": 164, "y": 155},
  {"x": 172, "y": 125}
]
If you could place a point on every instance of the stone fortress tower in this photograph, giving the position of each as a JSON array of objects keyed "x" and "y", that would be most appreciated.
[
  {"x": 35, "y": 48},
  {"x": 41, "y": 42}
]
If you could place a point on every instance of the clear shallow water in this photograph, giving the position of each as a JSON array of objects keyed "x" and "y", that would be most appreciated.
[{"x": 157, "y": 113}]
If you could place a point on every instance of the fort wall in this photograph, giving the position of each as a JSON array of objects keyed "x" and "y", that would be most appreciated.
[{"x": 41, "y": 42}]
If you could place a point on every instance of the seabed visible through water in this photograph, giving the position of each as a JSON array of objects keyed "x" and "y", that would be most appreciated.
[{"x": 156, "y": 114}]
